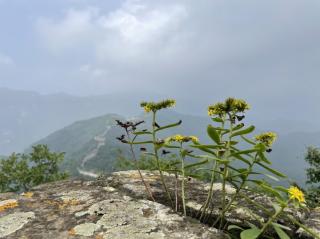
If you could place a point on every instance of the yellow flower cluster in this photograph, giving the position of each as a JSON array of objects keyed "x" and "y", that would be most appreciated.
[
  {"x": 155, "y": 106},
  {"x": 296, "y": 193},
  {"x": 183, "y": 139},
  {"x": 267, "y": 138},
  {"x": 230, "y": 105},
  {"x": 10, "y": 203}
]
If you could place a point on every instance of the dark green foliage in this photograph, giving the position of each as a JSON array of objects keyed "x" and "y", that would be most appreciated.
[
  {"x": 313, "y": 158},
  {"x": 20, "y": 172},
  {"x": 313, "y": 176}
]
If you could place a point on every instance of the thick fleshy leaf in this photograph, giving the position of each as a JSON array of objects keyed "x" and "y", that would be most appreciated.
[
  {"x": 217, "y": 119},
  {"x": 213, "y": 134},
  {"x": 169, "y": 126},
  {"x": 196, "y": 164},
  {"x": 251, "y": 233},
  {"x": 275, "y": 172},
  {"x": 143, "y": 142},
  {"x": 244, "y": 131},
  {"x": 141, "y": 132},
  {"x": 231, "y": 227},
  {"x": 242, "y": 159},
  {"x": 263, "y": 158},
  {"x": 271, "y": 176},
  {"x": 280, "y": 232},
  {"x": 237, "y": 127},
  {"x": 249, "y": 141}
]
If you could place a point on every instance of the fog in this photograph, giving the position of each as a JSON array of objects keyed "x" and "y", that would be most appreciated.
[{"x": 266, "y": 52}]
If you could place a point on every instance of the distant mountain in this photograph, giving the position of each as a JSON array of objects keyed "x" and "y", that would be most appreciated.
[
  {"x": 90, "y": 145},
  {"x": 28, "y": 116}
]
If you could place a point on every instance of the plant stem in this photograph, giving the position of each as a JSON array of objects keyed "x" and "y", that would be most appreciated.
[
  {"x": 271, "y": 219},
  {"x": 238, "y": 190},
  {"x": 225, "y": 171},
  {"x": 223, "y": 194},
  {"x": 157, "y": 158},
  {"x": 146, "y": 185},
  {"x": 183, "y": 182},
  {"x": 308, "y": 230},
  {"x": 210, "y": 194},
  {"x": 176, "y": 191}
]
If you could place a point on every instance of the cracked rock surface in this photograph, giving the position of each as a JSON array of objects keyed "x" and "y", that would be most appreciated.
[{"x": 86, "y": 209}]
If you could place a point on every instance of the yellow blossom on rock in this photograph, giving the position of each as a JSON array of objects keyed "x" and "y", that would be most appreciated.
[
  {"x": 267, "y": 138},
  {"x": 296, "y": 193}
]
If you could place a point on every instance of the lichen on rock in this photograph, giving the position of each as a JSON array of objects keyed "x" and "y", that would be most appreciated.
[{"x": 13, "y": 222}]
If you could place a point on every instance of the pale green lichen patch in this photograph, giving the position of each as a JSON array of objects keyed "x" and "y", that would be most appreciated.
[
  {"x": 86, "y": 229},
  {"x": 79, "y": 195},
  {"x": 13, "y": 222}
]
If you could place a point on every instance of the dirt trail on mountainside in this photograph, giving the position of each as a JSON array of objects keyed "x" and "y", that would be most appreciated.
[{"x": 100, "y": 140}]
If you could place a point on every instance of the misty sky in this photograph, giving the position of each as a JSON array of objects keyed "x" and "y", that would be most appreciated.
[{"x": 267, "y": 52}]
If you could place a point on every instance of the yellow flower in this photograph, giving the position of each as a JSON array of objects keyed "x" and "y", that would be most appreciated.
[
  {"x": 182, "y": 139},
  {"x": 155, "y": 106},
  {"x": 194, "y": 139},
  {"x": 216, "y": 109},
  {"x": 296, "y": 193},
  {"x": 229, "y": 105},
  {"x": 267, "y": 138}
]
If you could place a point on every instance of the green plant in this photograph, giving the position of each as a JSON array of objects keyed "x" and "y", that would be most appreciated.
[
  {"x": 313, "y": 176},
  {"x": 20, "y": 172},
  {"x": 231, "y": 143}
]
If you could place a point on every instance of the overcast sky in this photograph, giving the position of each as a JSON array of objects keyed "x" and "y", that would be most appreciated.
[{"x": 267, "y": 52}]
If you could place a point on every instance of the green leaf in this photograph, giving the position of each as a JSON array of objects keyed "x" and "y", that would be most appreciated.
[
  {"x": 196, "y": 164},
  {"x": 213, "y": 134},
  {"x": 141, "y": 132},
  {"x": 263, "y": 158},
  {"x": 282, "y": 226},
  {"x": 169, "y": 126},
  {"x": 208, "y": 146},
  {"x": 280, "y": 232},
  {"x": 242, "y": 159},
  {"x": 247, "y": 151},
  {"x": 217, "y": 119},
  {"x": 270, "y": 190},
  {"x": 275, "y": 172},
  {"x": 247, "y": 140},
  {"x": 281, "y": 188},
  {"x": 205, "y": 149},
  {"x": 276, "y": 207},
  {"x": 272, "y": 177},
  {"x": 244, "y": 131},
  {"x": 230, "y": 227},
  {"x": 237, "y": 127},
  {"x": 143, "y": 142},
  {"x": 171, "y": 146},
  {"x": 251, "y": 233}
]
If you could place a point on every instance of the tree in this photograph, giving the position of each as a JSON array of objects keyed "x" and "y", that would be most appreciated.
[
  {"x": 313, "y": 175},
  {"x": 20, "y": 172}
]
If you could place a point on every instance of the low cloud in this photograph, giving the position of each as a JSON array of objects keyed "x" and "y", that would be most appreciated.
[{"x": 6, "y": 60}]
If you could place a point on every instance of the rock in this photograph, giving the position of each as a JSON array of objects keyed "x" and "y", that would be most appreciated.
[
  {"x": 77, "y": 209},
  {"x": 312, "y": 222},
  {"x": 117, "y": 206},
  {"x": 14, "y": 221},
  {"x": 240, "y": 214}
]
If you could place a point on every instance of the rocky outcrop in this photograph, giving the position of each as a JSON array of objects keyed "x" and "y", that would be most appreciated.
[
  {"x": 89, "y": 209},
  {"x": 117, "y": 206}
]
